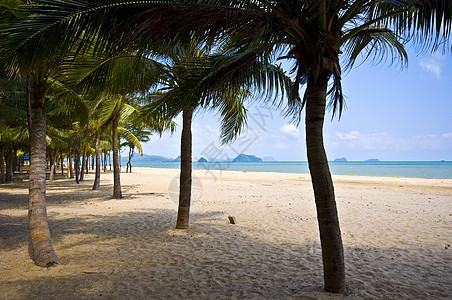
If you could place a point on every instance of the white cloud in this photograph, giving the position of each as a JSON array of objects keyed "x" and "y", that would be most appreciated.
[
  {"x": 447, "y": 135},
  {"x": 432, "y": 65},
  {"x": 352, "y": 135},
  {"x": 290, "y": 129}
]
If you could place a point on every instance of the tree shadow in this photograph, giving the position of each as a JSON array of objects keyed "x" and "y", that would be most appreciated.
[{"x": 139, "y": 255}]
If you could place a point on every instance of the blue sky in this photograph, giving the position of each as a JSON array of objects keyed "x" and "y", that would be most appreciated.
[{"x": 391, "y": 114}]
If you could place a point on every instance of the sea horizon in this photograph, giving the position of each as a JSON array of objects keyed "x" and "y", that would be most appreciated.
[{"x": 408, "y": 169}]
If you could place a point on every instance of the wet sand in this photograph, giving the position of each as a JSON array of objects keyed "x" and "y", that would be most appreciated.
[{"x": 396, "y": 235}]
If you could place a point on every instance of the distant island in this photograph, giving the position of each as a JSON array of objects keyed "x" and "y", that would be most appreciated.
[
  {"x": 342, "y": 159},
  {"x": 148, "y": 158},
  {"x": 247, "y": 158},
  {"x": 372, "y": 160},
  {"x": 162, "y": 159}
]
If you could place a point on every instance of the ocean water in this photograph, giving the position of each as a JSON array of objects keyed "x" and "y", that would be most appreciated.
[{"x": 413, "y": 169}]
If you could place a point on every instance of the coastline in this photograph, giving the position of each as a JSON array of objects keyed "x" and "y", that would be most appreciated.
[
  {"x": 396, "y": 233},
  {"x": 419, "y": 180},
  {"x": 408, "y": 169}
]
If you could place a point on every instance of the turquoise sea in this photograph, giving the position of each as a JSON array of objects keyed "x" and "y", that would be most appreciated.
[{"x": 416, "y": 169}]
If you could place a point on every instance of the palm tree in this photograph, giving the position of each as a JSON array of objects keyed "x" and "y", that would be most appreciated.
[
  {"x": 141, "y": 133},
  {"x": 315, "y": 34},
  {"x": 12, "y": 124},
  {"x": 39, "y": 82},
  {"x": 193, "y": 81},
  {"x": 115, "y": 80}
]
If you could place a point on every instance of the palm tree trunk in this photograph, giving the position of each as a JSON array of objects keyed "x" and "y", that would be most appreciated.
[
  {"x": 117, "y": 192},
  {"x": 14, "y": 162},
  {"x": 52, "y": 165},
  {"x": 28, "y": 91},
  {"x": 9, "y": 158},
  {"x": 62, "y": 162},
  {"x": 96, "y": 184},
  {"x": 55, "y": 160},
  {"x": 2, "y": 163},
  {"x": 183, "y": 213},
  {"x": 19, "y": 163},
  {"x": 87, "y": 164},
  {"x": 82, "y": 173},
  {"x": 70, "y": 170},
  {"x": 129, "y": 164},
  {"x": 42, "y": 251},
  {"x": 330, "y": 233},
  {"x": 77, "y": 165}
]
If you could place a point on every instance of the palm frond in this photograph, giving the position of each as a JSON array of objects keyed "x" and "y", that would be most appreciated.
[
  {"x": 130, "y": 137},
  {"x": 375, "y": 43},
  {"x": 427, "y": 23}
]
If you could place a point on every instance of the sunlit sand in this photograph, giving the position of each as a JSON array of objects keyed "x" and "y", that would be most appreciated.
[{"x": 396, "y": 232}]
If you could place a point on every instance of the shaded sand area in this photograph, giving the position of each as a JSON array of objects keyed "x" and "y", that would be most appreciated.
[{"x": 396, "y": 236}]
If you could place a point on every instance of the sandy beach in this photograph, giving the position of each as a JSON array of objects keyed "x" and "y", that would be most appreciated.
[{"x": 397, "y": 236}]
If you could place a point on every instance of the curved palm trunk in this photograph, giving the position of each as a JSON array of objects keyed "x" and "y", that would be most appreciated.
[
  {"x": 96, "y": 184},
  {"x": 117, "y": 192},
  {"x": 330, "y": 233},
  {"x": 183, "y": 212},
  {"x": 42, "y": 251},
  {"x": 129, "y": 162}
]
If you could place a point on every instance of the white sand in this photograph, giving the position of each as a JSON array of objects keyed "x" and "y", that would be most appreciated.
[{"x": 395, "y": 234}]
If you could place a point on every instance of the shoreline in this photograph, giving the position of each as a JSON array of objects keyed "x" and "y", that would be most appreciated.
[{"x": 335, "y": 177}]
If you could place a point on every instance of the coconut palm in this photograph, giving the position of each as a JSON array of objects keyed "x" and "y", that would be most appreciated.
[
  {"x": 142, "y": 134},
  {"x": 40, "y": 80},
  {"x": 192, "y": 82},
  {"x": 116, "y": 80},
  {"x": 312, "y": 34},
  {"x": 316, "y": 35},
  {"x": 42, "y": 251},
  {"x": 13, "y": 125}
]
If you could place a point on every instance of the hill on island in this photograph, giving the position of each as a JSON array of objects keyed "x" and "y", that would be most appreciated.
[
  {"x": 342, "y": 159},
  {"x": 247, "y": 158},
  {"x": 147, "y": 158}
]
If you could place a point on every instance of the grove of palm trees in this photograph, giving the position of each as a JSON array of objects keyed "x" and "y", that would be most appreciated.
[{"x": 83, "y": 79}]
